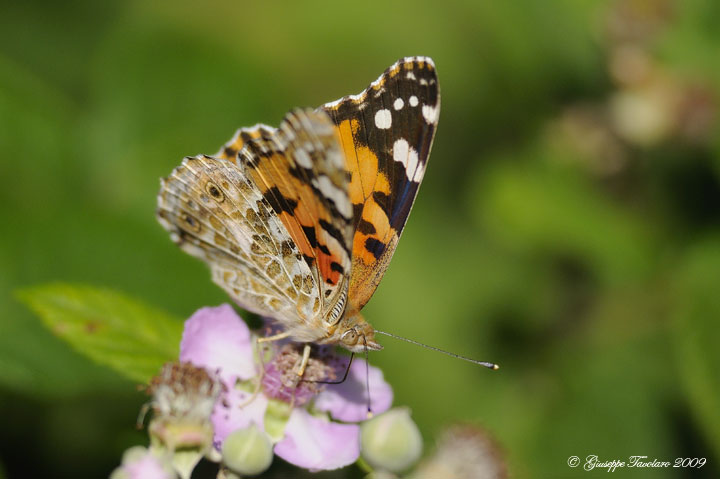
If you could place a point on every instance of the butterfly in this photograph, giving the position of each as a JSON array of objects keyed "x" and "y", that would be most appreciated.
[{"x": 299, "y": 223}]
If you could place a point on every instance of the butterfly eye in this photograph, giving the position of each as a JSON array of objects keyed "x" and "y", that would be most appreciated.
[
  {"x": 349, "y": 337},
  {"x": 190, "y": 221},
  {"x": 213, "y": 190}
]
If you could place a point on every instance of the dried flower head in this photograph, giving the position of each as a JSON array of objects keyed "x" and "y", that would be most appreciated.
[
  {"x": 183, "y": 399},
  {"x": 184, "y": 391},
  {"x": 463, "y": 452}
]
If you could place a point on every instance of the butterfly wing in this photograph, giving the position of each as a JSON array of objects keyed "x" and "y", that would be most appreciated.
[
  {"x": 300, "y": 171},
  {"x": 386, "y": 133},
  {"x": 215, "y": 213},
  {"x": 277, "y": 236},
  {"x": 230, "y": 150}
]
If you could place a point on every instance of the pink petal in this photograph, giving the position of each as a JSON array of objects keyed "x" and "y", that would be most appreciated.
[
  {"x": 228, "y": 416},
  {"x": 348, "y": 401},
  {"x": 139, "y": 463},
  {"x": 147, "y": 468},
  {"x": 218, "y": 339},
  {"x": 318, "y": 444}
]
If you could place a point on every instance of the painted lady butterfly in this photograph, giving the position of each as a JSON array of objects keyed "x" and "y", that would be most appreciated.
[{"x": 299, "y": 223}]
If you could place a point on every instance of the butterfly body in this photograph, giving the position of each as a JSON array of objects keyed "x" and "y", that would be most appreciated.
[{"x": 299, "y": 223}]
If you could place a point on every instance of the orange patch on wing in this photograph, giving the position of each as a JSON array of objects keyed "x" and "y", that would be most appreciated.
[
  {"x": 275, "y": 171},
  {"x": 360, "y": 161},
  {"x": 373, "y": 214},
  {"x": 267, "y": 172},
  {"x": 365, "y": 179},
  {"x": 382, "y": 184},
  {"x": 324, "y": 263}
]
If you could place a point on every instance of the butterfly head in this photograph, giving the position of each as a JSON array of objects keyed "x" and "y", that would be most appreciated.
[{"x": 357, "y": 335}]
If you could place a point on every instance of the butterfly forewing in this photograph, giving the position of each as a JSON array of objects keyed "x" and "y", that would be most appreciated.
[
  {"x": 230, "y": 150},
  {"x": 386, "y": 134},
  {"x": 300, "y": 171}
]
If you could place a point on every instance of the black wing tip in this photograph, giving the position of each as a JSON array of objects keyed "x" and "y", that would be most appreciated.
[
  {"x": 412, "y": 64},
  {"x": 419, "y": 60}
]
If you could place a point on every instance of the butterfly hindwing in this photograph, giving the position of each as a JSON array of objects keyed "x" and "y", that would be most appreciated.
[
  {"x": 386, "y": 133},
  {"x": 214, "y": 213}
]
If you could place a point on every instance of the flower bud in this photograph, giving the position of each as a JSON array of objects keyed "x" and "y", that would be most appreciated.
[
  {"x": 247, "y": 451},
  {"x": 391, "y": 441}
]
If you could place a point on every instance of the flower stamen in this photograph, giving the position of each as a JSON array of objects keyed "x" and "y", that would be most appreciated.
[{"x": 281, "y": 380}]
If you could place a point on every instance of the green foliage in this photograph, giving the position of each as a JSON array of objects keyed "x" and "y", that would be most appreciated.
[
  {"x": 537, "y": 208},
  {"x": 109, "y": 327},
  {"x": 696, "y": 334}
]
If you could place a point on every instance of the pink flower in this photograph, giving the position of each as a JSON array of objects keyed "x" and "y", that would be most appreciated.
[
  {"x": 317, "y": 430},
  {"x": 140, "y": 463}
]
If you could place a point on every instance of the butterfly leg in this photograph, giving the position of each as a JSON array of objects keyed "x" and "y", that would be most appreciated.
[
  {"x": 274, "y": 337},
  {"x": 259, "y": 352},
  {"x": 304, "y": 361}
]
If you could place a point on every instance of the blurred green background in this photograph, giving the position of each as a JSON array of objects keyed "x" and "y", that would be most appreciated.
[{"x": 568, "y": 226}]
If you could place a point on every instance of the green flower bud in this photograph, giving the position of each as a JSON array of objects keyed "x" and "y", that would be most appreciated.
[
  {"x": 247, "y": 451},
  {"x": 391, "y": 441}
]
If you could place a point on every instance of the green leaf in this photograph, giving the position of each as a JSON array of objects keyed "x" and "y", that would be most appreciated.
[{"x": 107, "y": 326}]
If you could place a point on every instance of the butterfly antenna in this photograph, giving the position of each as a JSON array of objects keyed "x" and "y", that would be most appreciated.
[
  {"x": 352, "y": 355},
  {"x": 486, "y": 364}
]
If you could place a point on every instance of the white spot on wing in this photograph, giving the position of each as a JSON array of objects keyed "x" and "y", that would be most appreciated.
[
  {"x": 400, "y": 150},
  {"x": 383, "y": 119},
  {"x": 359, "y": 99},
  {"x": 430, "y": 113},
  {"x": 398, "y": 104},
  {"x": 413, "y": 101},
  {"x": 302, "y": 158},
  {"x": 405, "y": 154},
  {"x": 342, "y": 203}
]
